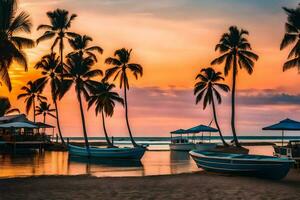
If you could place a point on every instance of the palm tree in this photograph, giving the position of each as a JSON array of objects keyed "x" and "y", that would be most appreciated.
[
  {"x": 80, "y": 45},
  {"x": 207, "y": 89},
  {"x": 11, "y": 45},
  {"x": 79, "y": 73},
  {"x": 119, "y": 70},
  {"x": 32, "y": 92},
  {"x": 5, "y": 107},
  {"x": 236, "y": 52},
  {"x": 44, "y": 109},
  {"x": 292, "y": 36},
  {"x": 104, "y": 100},
  {"x": 60, "y": 23},
  {"x": 52, "y": 72}
]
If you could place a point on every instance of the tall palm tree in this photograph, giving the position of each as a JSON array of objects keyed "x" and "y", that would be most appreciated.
[
  {"x": 60, "y": 22},
  {"x": 104, "y": 100},
  {"x": 11, "y": 45},
  {"x": 5, "y": 107},
  {"x": 52, "y": 73},
  {"x": 121, "y": 64},
  {"x": 44, "y": 109},
  {"x": 236, "y": 53},
  {"x": 292, "y": 36},
  {"x": 32, "y": 92},
  {"x": 80, "y": 45},
  {"x": 207, "y": 90},
  {"x": 79, "y": 72}
]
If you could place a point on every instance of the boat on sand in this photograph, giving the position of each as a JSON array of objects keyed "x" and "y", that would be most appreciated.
[{"x": 242, "y": 164}]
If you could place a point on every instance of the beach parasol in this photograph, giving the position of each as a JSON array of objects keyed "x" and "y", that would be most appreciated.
[{"x": 284, "y": 125}]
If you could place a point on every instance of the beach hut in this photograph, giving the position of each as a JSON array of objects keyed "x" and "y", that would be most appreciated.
[{"x": 284, "y": 125}]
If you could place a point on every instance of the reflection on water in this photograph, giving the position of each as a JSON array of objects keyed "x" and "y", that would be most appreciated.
[{"x": 59, "y": 163}]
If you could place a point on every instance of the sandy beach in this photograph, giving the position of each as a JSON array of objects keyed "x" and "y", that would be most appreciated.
[{"x": 183, "y": 186}]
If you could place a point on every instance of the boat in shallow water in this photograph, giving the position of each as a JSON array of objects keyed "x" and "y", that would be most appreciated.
[
  {"x": 126, "y": 153},
  {"x": 242, "y": 164}
]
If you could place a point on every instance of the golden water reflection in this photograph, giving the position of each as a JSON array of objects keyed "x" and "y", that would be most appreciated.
[{"x": 59, "y": 163}]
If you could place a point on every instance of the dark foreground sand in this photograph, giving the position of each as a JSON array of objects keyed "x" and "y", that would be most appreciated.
[{"x": 185, "y": 186}]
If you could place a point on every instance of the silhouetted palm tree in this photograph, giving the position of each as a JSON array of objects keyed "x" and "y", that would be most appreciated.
[
  {"x": 207, "y": 89},
  {"x": 11, "y": 45},
  {"x": 79, "y": 72},
  {"x": 5, "y": 107},
  {"x": 80, "y": 45},
  {"x": 52, "y": 71},
  {"x": 292, "y": 36},
  {"x": 32, "y": 93},
  {"x": 236, "y": 52},
  {"x": 119, "y": 70},
  {"x": 44, "y": 109},
  {"x": 60, "y": 22},
  {"x": 104, "y": 100}
]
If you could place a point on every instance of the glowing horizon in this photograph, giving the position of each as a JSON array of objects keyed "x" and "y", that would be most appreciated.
[{"x": 173, "y": 40}]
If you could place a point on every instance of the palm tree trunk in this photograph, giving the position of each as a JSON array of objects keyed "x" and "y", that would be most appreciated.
[
  {"x": 83, "y": 122},
  {"x": 233, "y": 102},
  {"x": 109, "y": 144},
  {"x": 216, "y": 122},
  {"x": 44, "y": 121},
  {"x": 61, "y": 44},
  {"x": 34, "y": 110},
  {"x": 126, "y": 116},
  {"x": 57, "y": 122}
]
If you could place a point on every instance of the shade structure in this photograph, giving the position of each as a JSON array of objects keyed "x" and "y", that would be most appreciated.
[
  {"x": 284, "y": 125},
  {"x": 201, "y": 128},
  {"x": 179, "y": 131},
  {"x": 18, "y": 125},
  {"x": 43, "y": 125}
]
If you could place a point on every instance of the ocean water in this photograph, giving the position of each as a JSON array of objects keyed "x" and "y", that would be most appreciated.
[
  {"x": 161, "y": 143},
  {"x": 59, "y": 163}
]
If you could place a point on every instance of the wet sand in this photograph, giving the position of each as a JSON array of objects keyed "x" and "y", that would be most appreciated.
[{"x": 199, "y": 185}]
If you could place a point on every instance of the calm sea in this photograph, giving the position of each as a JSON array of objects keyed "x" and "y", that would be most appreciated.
[{"x": 155, "y": 162}]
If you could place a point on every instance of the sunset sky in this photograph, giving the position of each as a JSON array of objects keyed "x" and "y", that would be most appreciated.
[{"x": 173, "y": 40}]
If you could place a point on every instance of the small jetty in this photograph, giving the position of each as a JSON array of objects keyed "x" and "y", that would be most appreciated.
[{"x": 19, "y": 133}]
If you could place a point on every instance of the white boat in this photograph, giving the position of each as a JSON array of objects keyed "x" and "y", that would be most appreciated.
[
  {"x": 205, "y": 146},
  {"x": 182, "y": 141},
  {"x": 182, "y": 146},
  {"x": 135, "y": 153}
]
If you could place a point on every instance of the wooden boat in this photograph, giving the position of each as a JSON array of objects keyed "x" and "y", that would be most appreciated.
[
  {"x": 135, "y": 153},
  {"x": 242, "y": 164}
]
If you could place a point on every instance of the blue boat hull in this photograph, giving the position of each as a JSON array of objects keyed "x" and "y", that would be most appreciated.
[
  {"x": 135, "y": 153},
  {"x": 249, "y": 165}
]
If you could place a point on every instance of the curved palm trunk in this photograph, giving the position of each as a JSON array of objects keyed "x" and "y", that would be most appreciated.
[
  {"x": 44, "y": 121},
  {"x": 83, "y": 123},
  {"x": 126, "y": 116},
  {"x": 61, "y": 49},
  {"x": 34, "y": 110},
  {"x": 57, "y": 122},
  {"x": 233, "y": 102},
  {"x": 216, "y": 122},
  {"x": 109, "y": 144}
]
